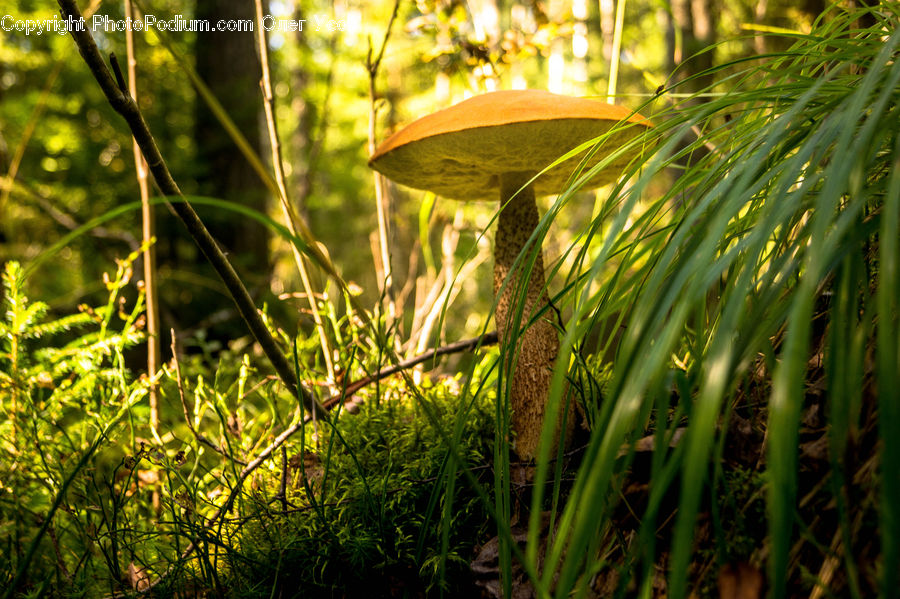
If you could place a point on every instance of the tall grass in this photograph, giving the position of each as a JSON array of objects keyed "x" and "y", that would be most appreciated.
[{"x": 769, "y": 261}]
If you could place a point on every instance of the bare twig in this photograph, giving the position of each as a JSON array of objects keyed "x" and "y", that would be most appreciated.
[
  {"x": 381, "y": 197},
  {"x": 616, "y": 51},
  {"x": 122, "y": 103},
  {"x": 148, "y": 231},
  {"x": 282, "y": 491},
  {"x": 450, "y": 286},
  {"x": 286, "y": 208},
  {"x": 449, "y": 242},
  {"x": 459, "y": 346}
]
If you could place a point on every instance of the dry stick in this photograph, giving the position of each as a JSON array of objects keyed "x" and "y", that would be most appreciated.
[
  {"x": 616, "y": 50},
  {"x": 282, "y": 490},
  {"x": 289, "y": 215},
  {"x": 381, "y": 197},
  {"x": 467, "y": 344},
  {"x": 453, "y": 290},
  {"x": 148, "y": 231},
  {"x": 412, "y": 267},
  {"x": 122, "y": 102},
  {"x": 430, "y": 300},
  {"x": 449, "y": 243}
]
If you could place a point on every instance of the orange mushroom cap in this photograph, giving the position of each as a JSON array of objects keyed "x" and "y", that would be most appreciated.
[{"x": 461, "y": 152}]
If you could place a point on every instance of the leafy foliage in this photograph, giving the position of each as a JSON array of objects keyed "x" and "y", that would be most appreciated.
[
  {"x": 371, "y": 494},
  {"x": 62, "y": 400}
]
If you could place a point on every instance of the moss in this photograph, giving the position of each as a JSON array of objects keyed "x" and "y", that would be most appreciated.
[{"x": 364, "y": 513}]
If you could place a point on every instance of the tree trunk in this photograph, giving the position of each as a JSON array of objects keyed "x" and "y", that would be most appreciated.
[
  {"x": 228, "y": 63},
  {"x": 691, "y": 29},
  {"x": 301, "y": 140}
]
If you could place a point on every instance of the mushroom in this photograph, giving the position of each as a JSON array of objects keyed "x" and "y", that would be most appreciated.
[{"x": 496, "y": 143}]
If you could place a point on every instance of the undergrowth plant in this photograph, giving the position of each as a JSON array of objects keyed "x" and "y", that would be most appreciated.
[
  {"x": 362, "y": 513},
  {"x": 730, "y": 336},
  {"x": 81, "y": 465},
  {"x": 66, "y": 398}
]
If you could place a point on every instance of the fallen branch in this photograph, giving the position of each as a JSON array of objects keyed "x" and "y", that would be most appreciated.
[{"x": 468, "y": 344}]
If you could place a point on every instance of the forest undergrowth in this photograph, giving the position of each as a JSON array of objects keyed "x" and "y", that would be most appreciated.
[{"x": 730, "y": 338}]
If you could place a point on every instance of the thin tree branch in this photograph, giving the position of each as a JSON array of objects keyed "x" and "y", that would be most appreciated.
[
  {"x": 382, "y": 199},
  {"x": 122, "y": 103},
  {"x": 148, "y": 233},
  {"x": 287, "y": 209},
  {"x": 459, "y": 346}
]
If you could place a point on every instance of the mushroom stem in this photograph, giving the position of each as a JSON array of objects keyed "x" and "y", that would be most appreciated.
[{"x": 538, "y": 345}]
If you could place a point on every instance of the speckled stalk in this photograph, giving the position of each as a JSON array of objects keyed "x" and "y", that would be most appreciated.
[{"x": 539, "y": 345}]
